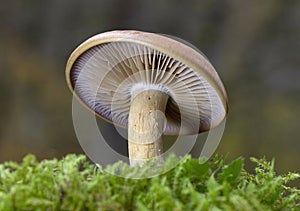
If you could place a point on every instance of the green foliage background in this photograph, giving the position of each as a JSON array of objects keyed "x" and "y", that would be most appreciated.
[
  {"x": 74, "y": 184},
  {"x": 254, "y": 46}
]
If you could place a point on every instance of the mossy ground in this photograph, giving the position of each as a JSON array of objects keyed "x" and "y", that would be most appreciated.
[{"x": 73, "y": 183}]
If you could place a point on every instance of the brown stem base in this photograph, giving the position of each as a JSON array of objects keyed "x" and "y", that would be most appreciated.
[{"x": 145, "y": 126}]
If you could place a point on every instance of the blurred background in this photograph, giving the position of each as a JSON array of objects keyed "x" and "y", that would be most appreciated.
[{"x": 254, "y": 46}]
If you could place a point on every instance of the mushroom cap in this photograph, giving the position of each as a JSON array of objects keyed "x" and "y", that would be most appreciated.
[{"x": 108, "y": 69}]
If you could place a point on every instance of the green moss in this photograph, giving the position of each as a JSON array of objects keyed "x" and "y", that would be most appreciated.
[{"x": 73, "y": 183}]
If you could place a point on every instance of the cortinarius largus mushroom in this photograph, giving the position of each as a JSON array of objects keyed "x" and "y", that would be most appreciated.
[{"x": 147, "y": 82}]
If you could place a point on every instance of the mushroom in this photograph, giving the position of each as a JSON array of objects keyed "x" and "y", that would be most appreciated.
[{"x": 151, "y": 84}]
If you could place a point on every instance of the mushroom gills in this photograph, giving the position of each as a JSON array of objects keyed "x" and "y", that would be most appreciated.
[{"x": 126, "y": 67}]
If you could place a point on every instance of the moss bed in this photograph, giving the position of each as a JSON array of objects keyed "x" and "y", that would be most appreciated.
[{"x": 74, "y": 183}]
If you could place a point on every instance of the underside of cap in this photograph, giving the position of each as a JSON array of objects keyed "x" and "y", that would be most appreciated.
[{"x": 105, "y": 77}]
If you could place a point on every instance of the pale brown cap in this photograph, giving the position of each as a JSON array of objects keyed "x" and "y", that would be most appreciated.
[{"x": 107, "y": 69}]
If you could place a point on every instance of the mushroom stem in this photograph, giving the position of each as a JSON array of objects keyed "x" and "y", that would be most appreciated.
[{"x": 146, "y": 125}]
